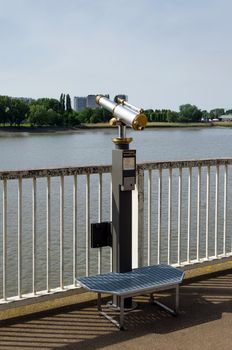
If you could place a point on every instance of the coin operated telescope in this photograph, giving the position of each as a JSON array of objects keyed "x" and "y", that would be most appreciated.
[
  {"x": 124, "y": 114},
  {"x": 123, "y": 182}
]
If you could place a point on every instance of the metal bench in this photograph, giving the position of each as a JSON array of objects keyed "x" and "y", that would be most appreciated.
[{"x": 143, "y": 280}]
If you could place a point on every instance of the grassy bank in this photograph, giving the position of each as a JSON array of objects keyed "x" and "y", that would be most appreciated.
[
  {"x": 167, "y": 125},
  {"x": 42, "y": 129}
]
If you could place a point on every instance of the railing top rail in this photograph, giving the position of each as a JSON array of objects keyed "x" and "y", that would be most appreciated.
[
  {"x": 184, "y": 163},
  {"x": 53, "y": 172},
  {"x": 96, "y": 169}
]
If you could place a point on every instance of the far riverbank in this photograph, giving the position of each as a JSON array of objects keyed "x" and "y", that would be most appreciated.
[{"x": 53, "y": 129}]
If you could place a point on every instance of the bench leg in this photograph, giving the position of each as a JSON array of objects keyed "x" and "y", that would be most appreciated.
[
  {"x": 121, "y": 321},
  {"x": 174, "y": 311},
  {"x": 177, "y": 299},
  {"x": 108, "y": 317},
  {"x": 99, "y": 302}
]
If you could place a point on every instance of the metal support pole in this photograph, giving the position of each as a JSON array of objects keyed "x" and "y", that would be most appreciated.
[{"x": 122, "y": 208}]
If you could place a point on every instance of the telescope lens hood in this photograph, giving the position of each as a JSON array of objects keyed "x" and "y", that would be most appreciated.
[{"x": 139, "y": 122}]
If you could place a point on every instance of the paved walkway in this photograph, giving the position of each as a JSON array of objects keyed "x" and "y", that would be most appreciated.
[{"x": 205, "y": 323}]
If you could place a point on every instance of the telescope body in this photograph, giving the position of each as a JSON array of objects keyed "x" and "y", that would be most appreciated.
[{"x": 124, "y": 112}]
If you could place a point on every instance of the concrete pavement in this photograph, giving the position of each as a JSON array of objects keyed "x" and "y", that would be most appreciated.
[{"x": 205, "y": 323}]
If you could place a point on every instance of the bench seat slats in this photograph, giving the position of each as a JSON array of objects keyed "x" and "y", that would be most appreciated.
[{"x": 140, "y": 279}]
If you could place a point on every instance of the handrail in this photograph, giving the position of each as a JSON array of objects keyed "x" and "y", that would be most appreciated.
[
  {"x": 95, "y": 169},
  {"x": 62, "y": 171}
]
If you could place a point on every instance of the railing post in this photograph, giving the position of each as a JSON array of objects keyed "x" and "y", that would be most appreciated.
[
  {"x": 189, "y": 213},
  {"x": 138, "y": 221},
  {"x": 225, "y": 208},
  {"x": 149, "y": 210},
  {"x": 169, "y": 214},
  {"x": 4, "y": 238},
  {"x": 20, "y": 229},
  {"x": 74, "y": 229},
  {"x": 48, "y": 233},
  {"x": 159, "y": 216},
  {"x": 34, "y": 227}
]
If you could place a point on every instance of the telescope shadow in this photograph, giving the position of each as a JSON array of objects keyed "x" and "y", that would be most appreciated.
[{"x": 81, "y": 327}]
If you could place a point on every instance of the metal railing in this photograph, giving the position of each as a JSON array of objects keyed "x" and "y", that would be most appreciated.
[
  {"x": 186, "y": 206},
  {"x": 180, "y": 216}
]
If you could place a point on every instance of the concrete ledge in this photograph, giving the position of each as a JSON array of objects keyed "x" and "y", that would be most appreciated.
[
  {"x": 207, "y": 268},
  {"x": 78, "y": 296},
  {"x": 44, "y": 303}
]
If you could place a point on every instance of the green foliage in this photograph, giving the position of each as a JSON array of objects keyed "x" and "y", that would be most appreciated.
[
  {"x": 85, "y": 115},
  {"x": 5, "y": 104},
  {"x": 49, "y": 103},
  {"x": 217, "y": 112},
  {"x": 53, "y": 112},
  {"x": 73, "y": 119},
  {"x": 62, "y": 103},
  {"x": 18, "y": 111},
  {"x": 13, "y": 111},
  {"x": 189, "y": 113},
  {"x": 38, "y": 115},
  {"x": 68, "y": 103},
  {"x": 172, "y": 116}
]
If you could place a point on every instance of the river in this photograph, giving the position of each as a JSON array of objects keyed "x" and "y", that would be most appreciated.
[{"x": 90, "y": 147}]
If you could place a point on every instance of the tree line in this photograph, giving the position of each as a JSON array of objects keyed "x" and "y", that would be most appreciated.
[
  {"x": 59, "y": 113},
  {"x": 187, "y": 113},
  {"x": 47, "y": 112}
]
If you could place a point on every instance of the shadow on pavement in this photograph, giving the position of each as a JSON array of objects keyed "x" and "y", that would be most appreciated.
[{"x": 81, "y": 327}]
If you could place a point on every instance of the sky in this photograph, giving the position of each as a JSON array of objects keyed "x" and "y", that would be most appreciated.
[{"x": 161, "y": 53}]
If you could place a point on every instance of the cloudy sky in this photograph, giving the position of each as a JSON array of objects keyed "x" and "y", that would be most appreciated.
[{"x": 162, "y": 53}]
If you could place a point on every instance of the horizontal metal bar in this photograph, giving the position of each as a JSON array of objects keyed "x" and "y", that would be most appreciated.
[
  {"x": 95, "y": 169},
  {"x": 53, "y": 172},
  {"x": 184, "y": 163}
]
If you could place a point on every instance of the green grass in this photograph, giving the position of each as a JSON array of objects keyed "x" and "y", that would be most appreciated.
[
  {"x": 106, "y": 125},
  {"x": 175, "y": 125}
]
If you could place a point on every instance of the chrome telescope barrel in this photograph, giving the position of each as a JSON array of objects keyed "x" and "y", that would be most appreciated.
[
  {"x": 125, "y": 103},
  {"x": 124, "y": 112}
]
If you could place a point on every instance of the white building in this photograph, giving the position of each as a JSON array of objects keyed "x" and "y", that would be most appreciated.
[
  {"x": 79, "y": 103},
  {"x": 91, "y": 102},
  {"x": 226, "y": 118}
]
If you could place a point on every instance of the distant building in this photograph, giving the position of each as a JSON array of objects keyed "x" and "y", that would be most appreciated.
[
  {"x": 226, "y": 118},
  {"x": 91, "y": 102},
  {"x": 79, "y": 103}
]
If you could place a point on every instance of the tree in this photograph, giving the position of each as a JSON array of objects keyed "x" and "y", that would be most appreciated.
[
  {"x": 18, "y": 111},
  {"x": 100, "y": 115},
  {"x": 189, "y": 113},
  {"x": 172, "y": 116},
  {"x": 49, "y": 103},
  {"x": 62, "y": 103},
  {"x": 38, "y": 115},
  {"x": 12, "y": 110},
  {"x": 85, "y": 115},
  {"x": 217, "y": 112},
  {"x": 148, "y": 114},
  {"x": 68, "y": 103},
  {"x": 5, "y": 104},
  {"x": 73, "y": 119}
]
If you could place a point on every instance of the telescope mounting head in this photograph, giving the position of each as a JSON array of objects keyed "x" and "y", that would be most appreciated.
[{"x": 124, "y": 114}]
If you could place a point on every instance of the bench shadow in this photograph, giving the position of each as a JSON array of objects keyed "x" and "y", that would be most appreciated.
[{"x": 81, "y": 327}]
